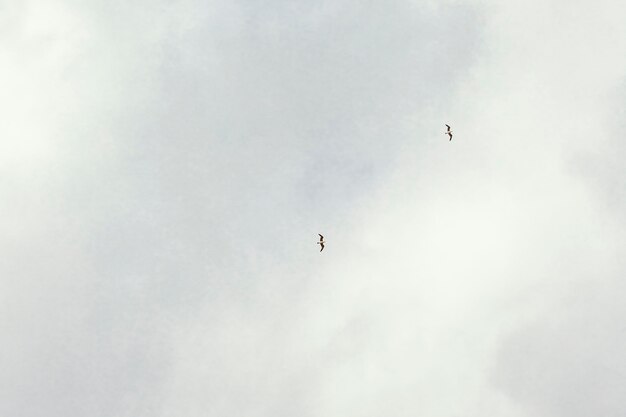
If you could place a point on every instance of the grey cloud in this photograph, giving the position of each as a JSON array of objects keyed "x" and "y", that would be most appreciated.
[
  {"x": 169, "y": 161},
  {"x": 167, "y": 166}
]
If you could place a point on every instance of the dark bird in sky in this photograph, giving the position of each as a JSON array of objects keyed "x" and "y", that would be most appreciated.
[
  {"x": 321, "y": 242},
  {"x": 449, "y": 132}
]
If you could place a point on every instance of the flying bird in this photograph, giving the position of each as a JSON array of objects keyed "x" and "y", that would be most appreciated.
[
  {"x": 321, "y": 242},
  {"x": 449, "y": 132}
]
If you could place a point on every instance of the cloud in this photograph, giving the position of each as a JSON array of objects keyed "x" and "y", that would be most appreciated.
[{"x": 163, "y": 164}]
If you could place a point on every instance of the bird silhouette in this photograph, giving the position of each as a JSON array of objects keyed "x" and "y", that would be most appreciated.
[
  {"x": 321, "y": 242},
  {"x": 449, "y": 132}
]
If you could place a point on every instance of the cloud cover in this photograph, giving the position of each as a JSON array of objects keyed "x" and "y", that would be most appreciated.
[{"x": 166, "y": 167}]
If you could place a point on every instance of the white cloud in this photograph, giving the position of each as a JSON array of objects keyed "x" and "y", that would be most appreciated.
[{"x": 164, "y": 163}]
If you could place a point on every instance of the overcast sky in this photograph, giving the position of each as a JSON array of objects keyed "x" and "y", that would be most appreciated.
[{"x": 165, "y": 167}]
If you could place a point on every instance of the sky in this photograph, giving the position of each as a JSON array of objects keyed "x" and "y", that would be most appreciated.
[{"x": 166, "y": 166}]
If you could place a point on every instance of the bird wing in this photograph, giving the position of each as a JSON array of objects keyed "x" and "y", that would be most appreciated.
[
  {"x": 448, "y": 126},
  {"x": 322, "y": 247},
  {"x": 450, "y": 134},
  {"x": 321, "y": 237}
]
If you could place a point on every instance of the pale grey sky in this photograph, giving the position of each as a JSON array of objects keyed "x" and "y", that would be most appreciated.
[{"x": 165, "y": 167}]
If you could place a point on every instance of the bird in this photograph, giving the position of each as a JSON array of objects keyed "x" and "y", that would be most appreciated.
[
  {"x": 449, "y": 132},
  {"x": 321, "y": 242}
]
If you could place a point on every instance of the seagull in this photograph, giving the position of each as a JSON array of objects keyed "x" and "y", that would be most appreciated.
[
  {"x": 449, "y": 132},
  {"x": 321, "y": 242}
]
